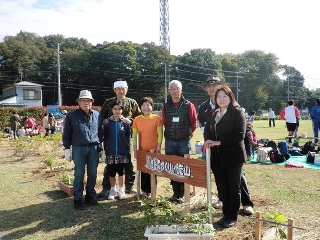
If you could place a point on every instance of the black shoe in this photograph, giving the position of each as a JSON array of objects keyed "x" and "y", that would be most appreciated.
[
  {"x": 78, "y": 204},
  {"x": 91, "y": 201},
  {"x": 222, "y": 220},
  {"x": 130, "y": 190},
  {"x": 103, "y": 194},
  {"x": 229, "y": 223}
]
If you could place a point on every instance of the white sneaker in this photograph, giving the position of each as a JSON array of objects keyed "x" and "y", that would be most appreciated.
[
  {"x": 112, "y": 194},
  {"x": 122, "y": 195},
  {"x": 218, "y": 205},
  {"x": 248, "y": 210}
]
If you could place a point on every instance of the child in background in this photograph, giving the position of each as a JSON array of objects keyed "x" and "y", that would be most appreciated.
[
  {"x": 150, "y": 128},
  {"x": 250, "y": 140},
  {"x": 117, "y": 148}
]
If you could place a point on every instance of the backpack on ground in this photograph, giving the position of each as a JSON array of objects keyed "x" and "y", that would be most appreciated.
[
  {"x": 310, "y": 157},
  {"x": 308, "y": 147},
  {"x": 263, "y": 141},
  {"x": 284, "y": 149},
  {"x": 276, "y": 157},
  {"x": 273, "y": 145}
]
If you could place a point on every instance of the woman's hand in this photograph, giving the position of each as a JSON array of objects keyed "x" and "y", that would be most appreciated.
[
  {"x": 105, "y": 121},
  {"x": 210, "y": 143}
]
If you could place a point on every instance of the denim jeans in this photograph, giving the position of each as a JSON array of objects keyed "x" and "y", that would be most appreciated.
[
  {"x": 316, "y": 127},
  {"x": 178, "y": 148},
  {"x": 82, "y": 156}
]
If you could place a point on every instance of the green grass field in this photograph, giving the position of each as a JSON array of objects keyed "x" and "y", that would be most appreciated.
[{"x": 262, "y": 129}]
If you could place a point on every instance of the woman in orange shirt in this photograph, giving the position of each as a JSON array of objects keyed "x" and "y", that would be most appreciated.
[{"x": 150, "y": 129}]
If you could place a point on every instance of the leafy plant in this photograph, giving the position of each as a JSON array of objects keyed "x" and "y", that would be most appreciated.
[
  {"x": 66, "y": 178},
  {"x": 49, "y": 161},
  {"x": 279, "y": 218},
  {"x": 161, "y": 212}
]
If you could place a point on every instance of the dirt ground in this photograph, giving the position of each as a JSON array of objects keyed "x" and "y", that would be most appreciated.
[{"x": 245, "y": 227}]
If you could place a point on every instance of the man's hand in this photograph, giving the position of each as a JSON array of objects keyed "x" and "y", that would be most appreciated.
[
  {"x": 126, "y": 120},
  {"x": 68, "y": 155},
  {"x": 105, "y": 121}
]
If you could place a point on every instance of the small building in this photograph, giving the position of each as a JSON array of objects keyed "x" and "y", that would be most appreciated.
[{"x": 22, "y": 94}]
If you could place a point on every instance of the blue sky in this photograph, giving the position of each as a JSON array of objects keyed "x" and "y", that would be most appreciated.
[{"x": 287, "y": 28}]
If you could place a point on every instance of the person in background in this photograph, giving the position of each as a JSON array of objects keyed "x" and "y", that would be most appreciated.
[
  {"x": 130, "y": 111},
  {"x": 271, "y": 117},
  {"x": 45, "y": 124},
  {"x": 205, "y": 112},
  {"x": 290, "y": 114},
  {"x": 250, "y": 140},
  {"x": 150, "y": 129},
  {"x": 179, "y": 118},
  {"x": 83, "y": 131},
  {"x": 117, "y": 148},
  {"x": 224, "y": 133},
  {"x": 52, "y": 123},
  {"x": 315, "y": 116},
  {"x": 15, "y": 123},
  {"x": 251, "y": 117}
]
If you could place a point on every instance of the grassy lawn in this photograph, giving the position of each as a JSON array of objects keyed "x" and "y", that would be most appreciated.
[{"x": 32, "y": 206}]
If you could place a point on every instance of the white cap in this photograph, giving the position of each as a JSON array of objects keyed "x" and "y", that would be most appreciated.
[
  {"x": 122, "y": 84},
  {"x": 85, "y": 94},
  {"x": 64, "y": 111}
]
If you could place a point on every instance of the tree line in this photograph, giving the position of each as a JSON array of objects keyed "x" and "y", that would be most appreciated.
[{"x": 257, "y": 79}]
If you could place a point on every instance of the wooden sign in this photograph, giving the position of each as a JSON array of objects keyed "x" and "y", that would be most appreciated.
[{"x": 187, "y": 170}]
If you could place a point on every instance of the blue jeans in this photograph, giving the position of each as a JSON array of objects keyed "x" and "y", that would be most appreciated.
[
  {"x": 82, "y": 156},
  {"x": 178, "y": 148},
  {"x": 316, "y": 127}
]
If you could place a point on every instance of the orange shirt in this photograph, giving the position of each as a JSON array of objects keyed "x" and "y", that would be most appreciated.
[{"x": 150, "y": 131}]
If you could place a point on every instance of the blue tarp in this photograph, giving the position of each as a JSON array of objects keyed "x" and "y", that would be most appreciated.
[
  {"x": 302, "y": 160},
  {"x": 55, "y": 110}
]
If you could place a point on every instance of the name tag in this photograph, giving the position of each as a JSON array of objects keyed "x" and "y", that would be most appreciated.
[{"x": 175, "y": 119}]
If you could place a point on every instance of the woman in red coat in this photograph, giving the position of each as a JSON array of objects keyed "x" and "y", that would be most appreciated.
[{"x": 224, "y": 134}]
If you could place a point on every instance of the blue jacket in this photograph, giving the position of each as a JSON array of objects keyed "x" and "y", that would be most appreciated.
[
  {"x": 116, "y": 138},
  {"x": 80, "y": 130},
  {"x": 315, "y": 113}
]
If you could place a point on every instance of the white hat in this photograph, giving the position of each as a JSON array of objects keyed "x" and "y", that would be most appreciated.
[
  {"x": 64, "y": 111},
  {"x": 85, "y": 94},
  {"x": 122, "y": 84}
]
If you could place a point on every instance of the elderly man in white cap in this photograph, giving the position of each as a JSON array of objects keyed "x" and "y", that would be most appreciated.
[
  {"x": 205, "y": 112},
  {"x": 130, "y": 111},
  {"x": 83, "y": 131}
]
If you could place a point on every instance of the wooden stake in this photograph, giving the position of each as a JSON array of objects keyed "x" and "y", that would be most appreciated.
[
  {"x": 290, "y": 229},
  {"x": 258, "y": 226}
]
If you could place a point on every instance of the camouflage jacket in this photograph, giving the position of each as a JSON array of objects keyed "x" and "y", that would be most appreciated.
[{"x": 131, "y": 108}]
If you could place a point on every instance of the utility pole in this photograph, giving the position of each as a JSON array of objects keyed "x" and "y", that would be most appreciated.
[
  {"x": 59, "y": 85},
  {"x": 288, "y": 89},
  {"x": 165, "y": 83}
]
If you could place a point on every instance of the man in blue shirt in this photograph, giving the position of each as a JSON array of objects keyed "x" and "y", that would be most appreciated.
[
  {"x": 83, "y": 131},
  {"x": 315, "y": 116}
]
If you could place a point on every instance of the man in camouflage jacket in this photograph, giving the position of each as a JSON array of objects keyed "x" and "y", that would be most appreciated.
[{"x": 130, "y": 111}]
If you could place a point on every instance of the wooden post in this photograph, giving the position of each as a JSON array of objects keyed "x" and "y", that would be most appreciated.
[
  {"x": 258, "y": 226},
  {"x": 153, "y": 187},
  {"x": 187, "y": 191},
  {"x": 138, "y": 172},
  {"x": 208, "y": 182},
  {"x": 290, "y": 229}
]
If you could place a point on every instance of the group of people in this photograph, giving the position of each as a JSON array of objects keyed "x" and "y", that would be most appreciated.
[
  {"x": 222, "y": 122},
  {"x": 21, "y": 127}
]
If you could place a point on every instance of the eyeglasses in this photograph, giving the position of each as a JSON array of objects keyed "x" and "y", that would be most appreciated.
[
  {"x": 174, "y": 89},
  {"x": 85, "y": 100}
]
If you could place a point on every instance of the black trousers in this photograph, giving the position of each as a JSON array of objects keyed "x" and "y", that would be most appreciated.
[
  {"x": 229, "y": 178},
  {"x": 130, "y": 176},
  {"x": 245, "y": 194},
  {"x": 271, "y": 119}
]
